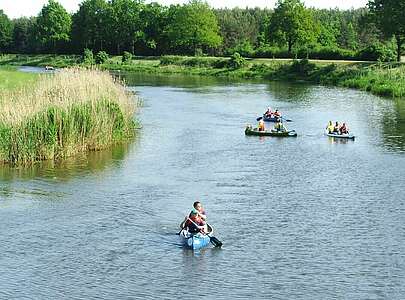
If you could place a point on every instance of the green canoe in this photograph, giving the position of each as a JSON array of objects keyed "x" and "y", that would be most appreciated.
[{"x": 255, "y": 131}]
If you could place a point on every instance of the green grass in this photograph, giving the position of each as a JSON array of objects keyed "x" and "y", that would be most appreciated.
[
  {"x": 10, "y": 78},
  {"x": 60, "y": 115}
]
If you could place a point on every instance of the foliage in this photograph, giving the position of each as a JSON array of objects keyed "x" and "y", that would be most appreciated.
[
  {"x": 88, "y": 57},
  {"x": 6, "y": 32},
  {"x": 390, "y": 19},
  {"x": 292, "y": 23},
  {"x": 53, "y": 26},
  {"x": 101, "y": 57},
  {"x": 376, "y": 52},
  {"x": 127, "y": 57},
  {"x": 90, "y": 25},
  {"x": 194, "y": 25},
  {"x": 236, "y": 61}
]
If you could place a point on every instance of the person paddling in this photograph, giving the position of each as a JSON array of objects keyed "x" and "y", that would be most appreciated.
[
  {"x": 344, "y": 129},
  {"x": 277, "y": 114},
  {"x": 330, "y": 127},
  {"x": 279, "y": 126},
  {"x": 261, "y": 125},
  {"x": 268, "y": 112},
  {"x": 336, "y": 129}
]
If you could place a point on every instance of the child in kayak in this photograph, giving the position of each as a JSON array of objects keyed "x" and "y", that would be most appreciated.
[
  {"x": 277, "y": 114},
  {"x": 330, "y": 127}
]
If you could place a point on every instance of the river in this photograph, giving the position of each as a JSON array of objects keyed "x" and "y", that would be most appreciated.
[{"x": 300, "y": 218}]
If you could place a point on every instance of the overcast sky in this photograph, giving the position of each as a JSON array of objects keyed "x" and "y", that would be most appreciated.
[{"x": 18, "y": 8}]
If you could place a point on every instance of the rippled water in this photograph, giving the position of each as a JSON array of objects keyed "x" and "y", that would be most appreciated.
[{"x": 300, "y": 218}]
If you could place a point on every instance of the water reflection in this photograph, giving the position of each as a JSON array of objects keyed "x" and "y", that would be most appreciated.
[
  {"x": 91, "y": 162},
  {"x": 393, "y": 126}
]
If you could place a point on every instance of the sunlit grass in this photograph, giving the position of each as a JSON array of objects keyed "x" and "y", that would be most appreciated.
[{"x": 72, "y": 111}]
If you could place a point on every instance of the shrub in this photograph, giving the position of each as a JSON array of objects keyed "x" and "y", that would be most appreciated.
[
  {"x": 88, "y": 57},
  {"x": 236, "y": 61},
  {"x": 101, "y": 57},
  {"x": 376, "y": 52},
  {"x": 127, "y": 57}
]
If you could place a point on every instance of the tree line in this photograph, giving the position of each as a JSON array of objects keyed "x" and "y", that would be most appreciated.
[{"x": 290, "y": 29}]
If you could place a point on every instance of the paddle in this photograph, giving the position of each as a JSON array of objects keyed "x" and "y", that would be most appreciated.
[
  {"x": 286, "y": 120},
  {"x": 259, "y": 118},
  {"x": 213, "y": 239}
]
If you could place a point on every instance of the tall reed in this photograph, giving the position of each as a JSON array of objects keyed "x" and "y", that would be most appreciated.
[{"x": 72, "y": 111}]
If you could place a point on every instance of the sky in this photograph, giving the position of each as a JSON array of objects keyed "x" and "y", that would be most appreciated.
[{"x": 19, "y": 8}]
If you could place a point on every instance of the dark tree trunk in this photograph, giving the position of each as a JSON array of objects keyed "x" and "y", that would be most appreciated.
[
  {"x": 289, "y": 45},
  {"x": 399, "y": 44}
]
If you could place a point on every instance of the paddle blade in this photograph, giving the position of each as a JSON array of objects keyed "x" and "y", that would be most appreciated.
[
  {"x": 259, "y": 118},
  {"x": 215, "y": 241}
]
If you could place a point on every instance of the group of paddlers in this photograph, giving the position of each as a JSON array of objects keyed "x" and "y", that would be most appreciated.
[
  {"x": 279, "y": 126},
  {"x": 337, "y": 128}
]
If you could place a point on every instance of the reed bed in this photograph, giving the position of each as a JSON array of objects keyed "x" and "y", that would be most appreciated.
[{"x": 60, "y": 115}]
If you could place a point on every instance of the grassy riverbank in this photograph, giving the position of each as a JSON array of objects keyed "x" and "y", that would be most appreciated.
[
  {"x": 385, "y": 79},
  {"x": 57, "y": 116},
  {"x": 10, "y": 79}
]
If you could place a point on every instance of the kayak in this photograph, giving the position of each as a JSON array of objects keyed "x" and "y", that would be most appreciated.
[
  {"x": 196, "y": 241},
  {"x": 255, "y": 131},
  {"x": 274, "y": 119},
  {"x": 341, "y": 136},
  {"x": 270, "y": 119}
]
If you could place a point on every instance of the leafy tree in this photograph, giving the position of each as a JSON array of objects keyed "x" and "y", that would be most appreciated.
[
  {"x": 89, "y": 25},
  {"x": 24, "y": 35},
  {"x": 101, "y": 57},
  {"x": 53, "y": 26},
  {"x": 292, "y": 23},
  {"x": 88, "y": 57},
  {"x": 389, "y": 16},
  {"x": 6, "y": 31},
  {"x": 124, "y": 24},
  {"x": 194, "y": 26}
]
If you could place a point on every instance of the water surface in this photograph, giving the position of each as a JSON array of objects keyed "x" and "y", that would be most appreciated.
[{"x": 300, "y": 218}]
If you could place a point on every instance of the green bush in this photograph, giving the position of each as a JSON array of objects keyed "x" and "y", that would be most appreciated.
[
  {"x": 376, "y": 52},
  {"x": 236, "y": 61},
  {"x": 127, "y": 57},
  {"x": 101, "y": 57},
  {"x": 88, "y": 57}
]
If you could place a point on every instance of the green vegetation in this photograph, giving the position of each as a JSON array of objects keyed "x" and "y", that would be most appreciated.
[
  {"x": 386, "y": 79},
  {"x": 10, "y": 79},
  {"x": 291, "y": 30},
  {"x": 72, "y": 111}
]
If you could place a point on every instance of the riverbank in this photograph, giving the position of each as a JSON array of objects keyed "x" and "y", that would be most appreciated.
[
  {"x": 10, "y": 79},
  {"x": 57, "y": 116},
  {"x": 384, "y": 79}
]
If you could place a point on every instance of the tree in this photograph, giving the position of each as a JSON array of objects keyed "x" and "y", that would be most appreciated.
[
  {"x": 124, "y": 24},
  {"x": 6, "y": 32},
  {"x": 53, "y": 26},
  {"x": 292, "y": 23},
  {"x": 194, "y": 26},
  {"x": 24, "y": 35},
  {"x": 89, "y": 23},
  {"x": 390, "y": 19}
]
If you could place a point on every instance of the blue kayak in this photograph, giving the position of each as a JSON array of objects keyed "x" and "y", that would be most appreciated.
[{"x": 195, "y": 241}]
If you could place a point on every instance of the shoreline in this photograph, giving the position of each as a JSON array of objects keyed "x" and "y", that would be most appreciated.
[{"x": 382, "y": 79}]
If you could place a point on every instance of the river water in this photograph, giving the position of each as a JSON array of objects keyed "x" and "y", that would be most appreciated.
[{"x": 300, "y": 218}]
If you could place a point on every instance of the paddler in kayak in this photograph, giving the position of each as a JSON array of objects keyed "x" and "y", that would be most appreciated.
[
  {"x": 336, "y": 129},
  {"x": 268, "y": 113},
  {"x": 277, "y": 114},
  {"x": 260, "y": 126},
  {"x": 330, "y": 127},
  {"x": 279, "y": 127},
  {"x": 344, "y": 129}
]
